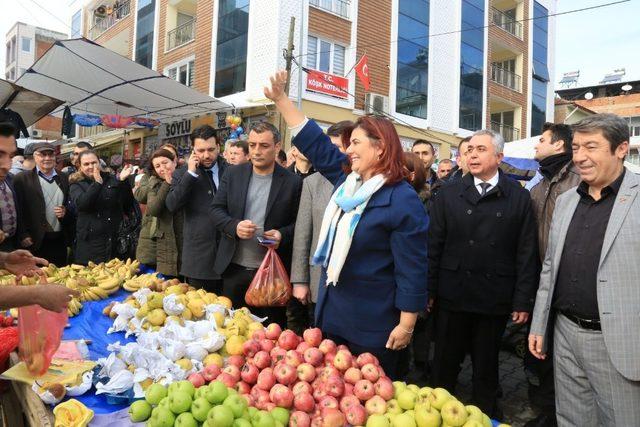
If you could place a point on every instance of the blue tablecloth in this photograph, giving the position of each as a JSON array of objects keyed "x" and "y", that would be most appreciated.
[{"x": 91, "y": 324}]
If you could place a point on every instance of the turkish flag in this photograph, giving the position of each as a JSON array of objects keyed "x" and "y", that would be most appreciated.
[{"x": 362, "y": 70}]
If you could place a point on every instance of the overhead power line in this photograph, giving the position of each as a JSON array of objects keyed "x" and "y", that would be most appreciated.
[{"x": 365, "y": 46}]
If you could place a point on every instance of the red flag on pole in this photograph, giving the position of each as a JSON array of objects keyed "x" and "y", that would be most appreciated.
[{"x": 362, "y": 70}]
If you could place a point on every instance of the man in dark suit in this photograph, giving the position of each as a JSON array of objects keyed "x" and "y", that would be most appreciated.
[
  {"x": 482, "y": 267},
  {"x": 255, "y": 199},
  {"x": 193, "y": 188},
  {"x": 44, "y": 194},
  {"x": 9, "y": 218}
]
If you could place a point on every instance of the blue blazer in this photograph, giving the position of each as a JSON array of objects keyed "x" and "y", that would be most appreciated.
[{"x": 386, "y": 269}]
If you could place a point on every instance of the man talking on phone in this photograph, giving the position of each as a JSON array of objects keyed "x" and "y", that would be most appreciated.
[
  {"x": 193, "y": 187},
  {"x": 256, "y": 207}
]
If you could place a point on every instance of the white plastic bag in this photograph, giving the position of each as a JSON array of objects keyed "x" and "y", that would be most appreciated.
[
  {"x": 119, "y": 383},
  {"x": 171, "y": 306},
  {"x": 83, "y": 387}
]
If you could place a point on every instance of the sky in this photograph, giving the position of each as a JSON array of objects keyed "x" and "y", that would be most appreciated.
[{"x": 594, "y": 41}]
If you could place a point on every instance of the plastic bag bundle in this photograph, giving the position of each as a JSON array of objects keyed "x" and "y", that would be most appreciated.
[
  {"x": 40, "y": 332},
  {"x": 270, "y": 286}
]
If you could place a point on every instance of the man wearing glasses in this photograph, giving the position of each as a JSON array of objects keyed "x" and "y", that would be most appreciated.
[{"x": 43, "y": 195}]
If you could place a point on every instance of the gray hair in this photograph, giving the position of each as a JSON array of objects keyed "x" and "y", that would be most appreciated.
[
  {"x": 496, "y": 139},
  {"x": 614, "y": 128}
]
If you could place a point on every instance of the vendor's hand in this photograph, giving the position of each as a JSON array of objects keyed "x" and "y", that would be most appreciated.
[
  {"x": 54, "y": 297},
  {"x": 23, "y": 263},
  {"x": 398, "y": 338},
  {"x": 275, "y": 236},
  {"x": 26, "y": 242},
  {"x": 193, "y": 162},
  {"x": 96, "y": 174},
  {"x": 126, "y": 172},
  {"x": 301, "y": 293},
  {"x": 535, "y": 346},
  {"x": 59, "y": 211},
  {"x": 519, "y": 317},
  {"x": 245, "y": 229},
  {"x": 278, "y": 83},
  {"x": 2, "y": 236}
]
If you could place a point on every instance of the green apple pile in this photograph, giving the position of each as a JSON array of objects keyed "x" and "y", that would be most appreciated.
[
  {"x": 412, "y": 406},
  {"x": 212, "y": 405}
]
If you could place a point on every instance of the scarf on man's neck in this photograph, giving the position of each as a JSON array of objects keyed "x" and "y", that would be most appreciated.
[{"x": 552, "y": 165}]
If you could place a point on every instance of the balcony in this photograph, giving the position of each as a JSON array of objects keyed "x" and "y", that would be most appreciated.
[
  {"x": 103, "y": 23},
  {"x": 181, "y": 35},
  {"x": 509, "y": 133},
  {"x": 507, "y": 23},
  {"x": 339, "y": 7},
  {"x": 505, "y": 78}
]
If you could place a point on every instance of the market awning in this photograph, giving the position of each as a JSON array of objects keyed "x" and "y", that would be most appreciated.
[
  {"x": 95, "y": 80},
  {"x": 31, "y": 106}
]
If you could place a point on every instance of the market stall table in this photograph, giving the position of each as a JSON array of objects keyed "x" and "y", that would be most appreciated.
[{"x": 89, "y": 324}]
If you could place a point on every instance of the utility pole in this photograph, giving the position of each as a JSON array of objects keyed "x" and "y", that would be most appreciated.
[{"x": 288, "y": 56}]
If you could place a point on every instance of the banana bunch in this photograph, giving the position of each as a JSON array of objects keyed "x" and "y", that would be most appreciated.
[
  {"x": 136, "y": 283},
  {"x": 74, "y": 307}
]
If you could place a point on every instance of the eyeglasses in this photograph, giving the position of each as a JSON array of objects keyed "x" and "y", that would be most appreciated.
[{"x": 45, "y": 153}]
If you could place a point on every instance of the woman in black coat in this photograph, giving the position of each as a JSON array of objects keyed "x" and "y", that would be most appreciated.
[{"x": 101, "y": 200}]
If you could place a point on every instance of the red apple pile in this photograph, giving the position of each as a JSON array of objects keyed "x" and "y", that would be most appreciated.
[{"x": 322, "y": 383}]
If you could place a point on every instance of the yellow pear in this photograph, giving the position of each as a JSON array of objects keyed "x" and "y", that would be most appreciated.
[
  {"x": 192, "y": 294},
  {"x": 157, "y": 317},
  {"x": 143, "y": 311},
  {"x": 185, "y": 364},
  {"x": 234, "y": 345},
  {"x": 219, "y": 318},
  {"x": 213, "y": 359},
  {"x": 254, "y": 326},
  {"x": 209, "y": 298},
  {"x": 225, "y": 302},
  {"x": 182, "y": 299},
  {"x": 146, "y": 383},
  {"x": 187, "y": 315},
  {"x": 175, "y": 289},
  {"x": 197, "y": 307},
  {"x": 155, "y": 300}
]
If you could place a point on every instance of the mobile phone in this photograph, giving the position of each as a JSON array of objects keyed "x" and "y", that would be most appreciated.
[{"x": 264, "y": 241}]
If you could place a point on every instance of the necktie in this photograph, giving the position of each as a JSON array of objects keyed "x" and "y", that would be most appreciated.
[
  {"x": 210, "y": 175},
  {"x": 485, "y": 186},
  {"x": 7, "y": 210}
]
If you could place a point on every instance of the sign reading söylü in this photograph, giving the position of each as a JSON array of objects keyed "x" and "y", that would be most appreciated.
[{"x": 174, "y": 129}]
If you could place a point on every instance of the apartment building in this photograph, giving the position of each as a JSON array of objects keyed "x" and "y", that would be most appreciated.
[
  {"x": 441, "y": 68},
  {"x": 25, "y": 44}
]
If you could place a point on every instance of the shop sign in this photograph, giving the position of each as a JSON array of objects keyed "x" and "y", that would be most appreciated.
[
  {"x": 174, "y": 129},
  {"x": 328, "y": 84}
]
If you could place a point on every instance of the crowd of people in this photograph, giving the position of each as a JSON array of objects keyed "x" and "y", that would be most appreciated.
[{"x": 386, "y": 254}]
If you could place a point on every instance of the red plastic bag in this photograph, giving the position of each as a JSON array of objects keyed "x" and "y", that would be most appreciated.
[
  {"x": 40, "y": 332},
  {"x": 8, "y": 343},
  {"x": 270, "y": 286}
]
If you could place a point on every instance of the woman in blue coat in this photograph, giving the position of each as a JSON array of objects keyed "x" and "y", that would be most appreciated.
[{"x": 373, "y": 239}]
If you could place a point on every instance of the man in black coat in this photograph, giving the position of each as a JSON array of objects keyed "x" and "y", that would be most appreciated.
[
  {"x": 255, "y": 199},
  {"x": 44, "y": 196},
  {"x": 193, "y": 188},
  {"x": 482, "y": 267}
]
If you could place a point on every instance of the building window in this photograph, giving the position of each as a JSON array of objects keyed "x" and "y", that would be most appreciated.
[
  {"x": 540, "y": 69},
  {"x": 144, "y": 32},
  {"x": 7, "y": 56},
  {"x": 472, "y": 64},
  {"x": 323, "y": 55},
  {"x": 339, "y": 7},
  {"x": 182, "y": 72},
  {"x": 76, "y": 24},
  {"x": 231, "y": 52},
  {"x": 26, "y": 44},
  {"x": 413, "y": 58}
]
